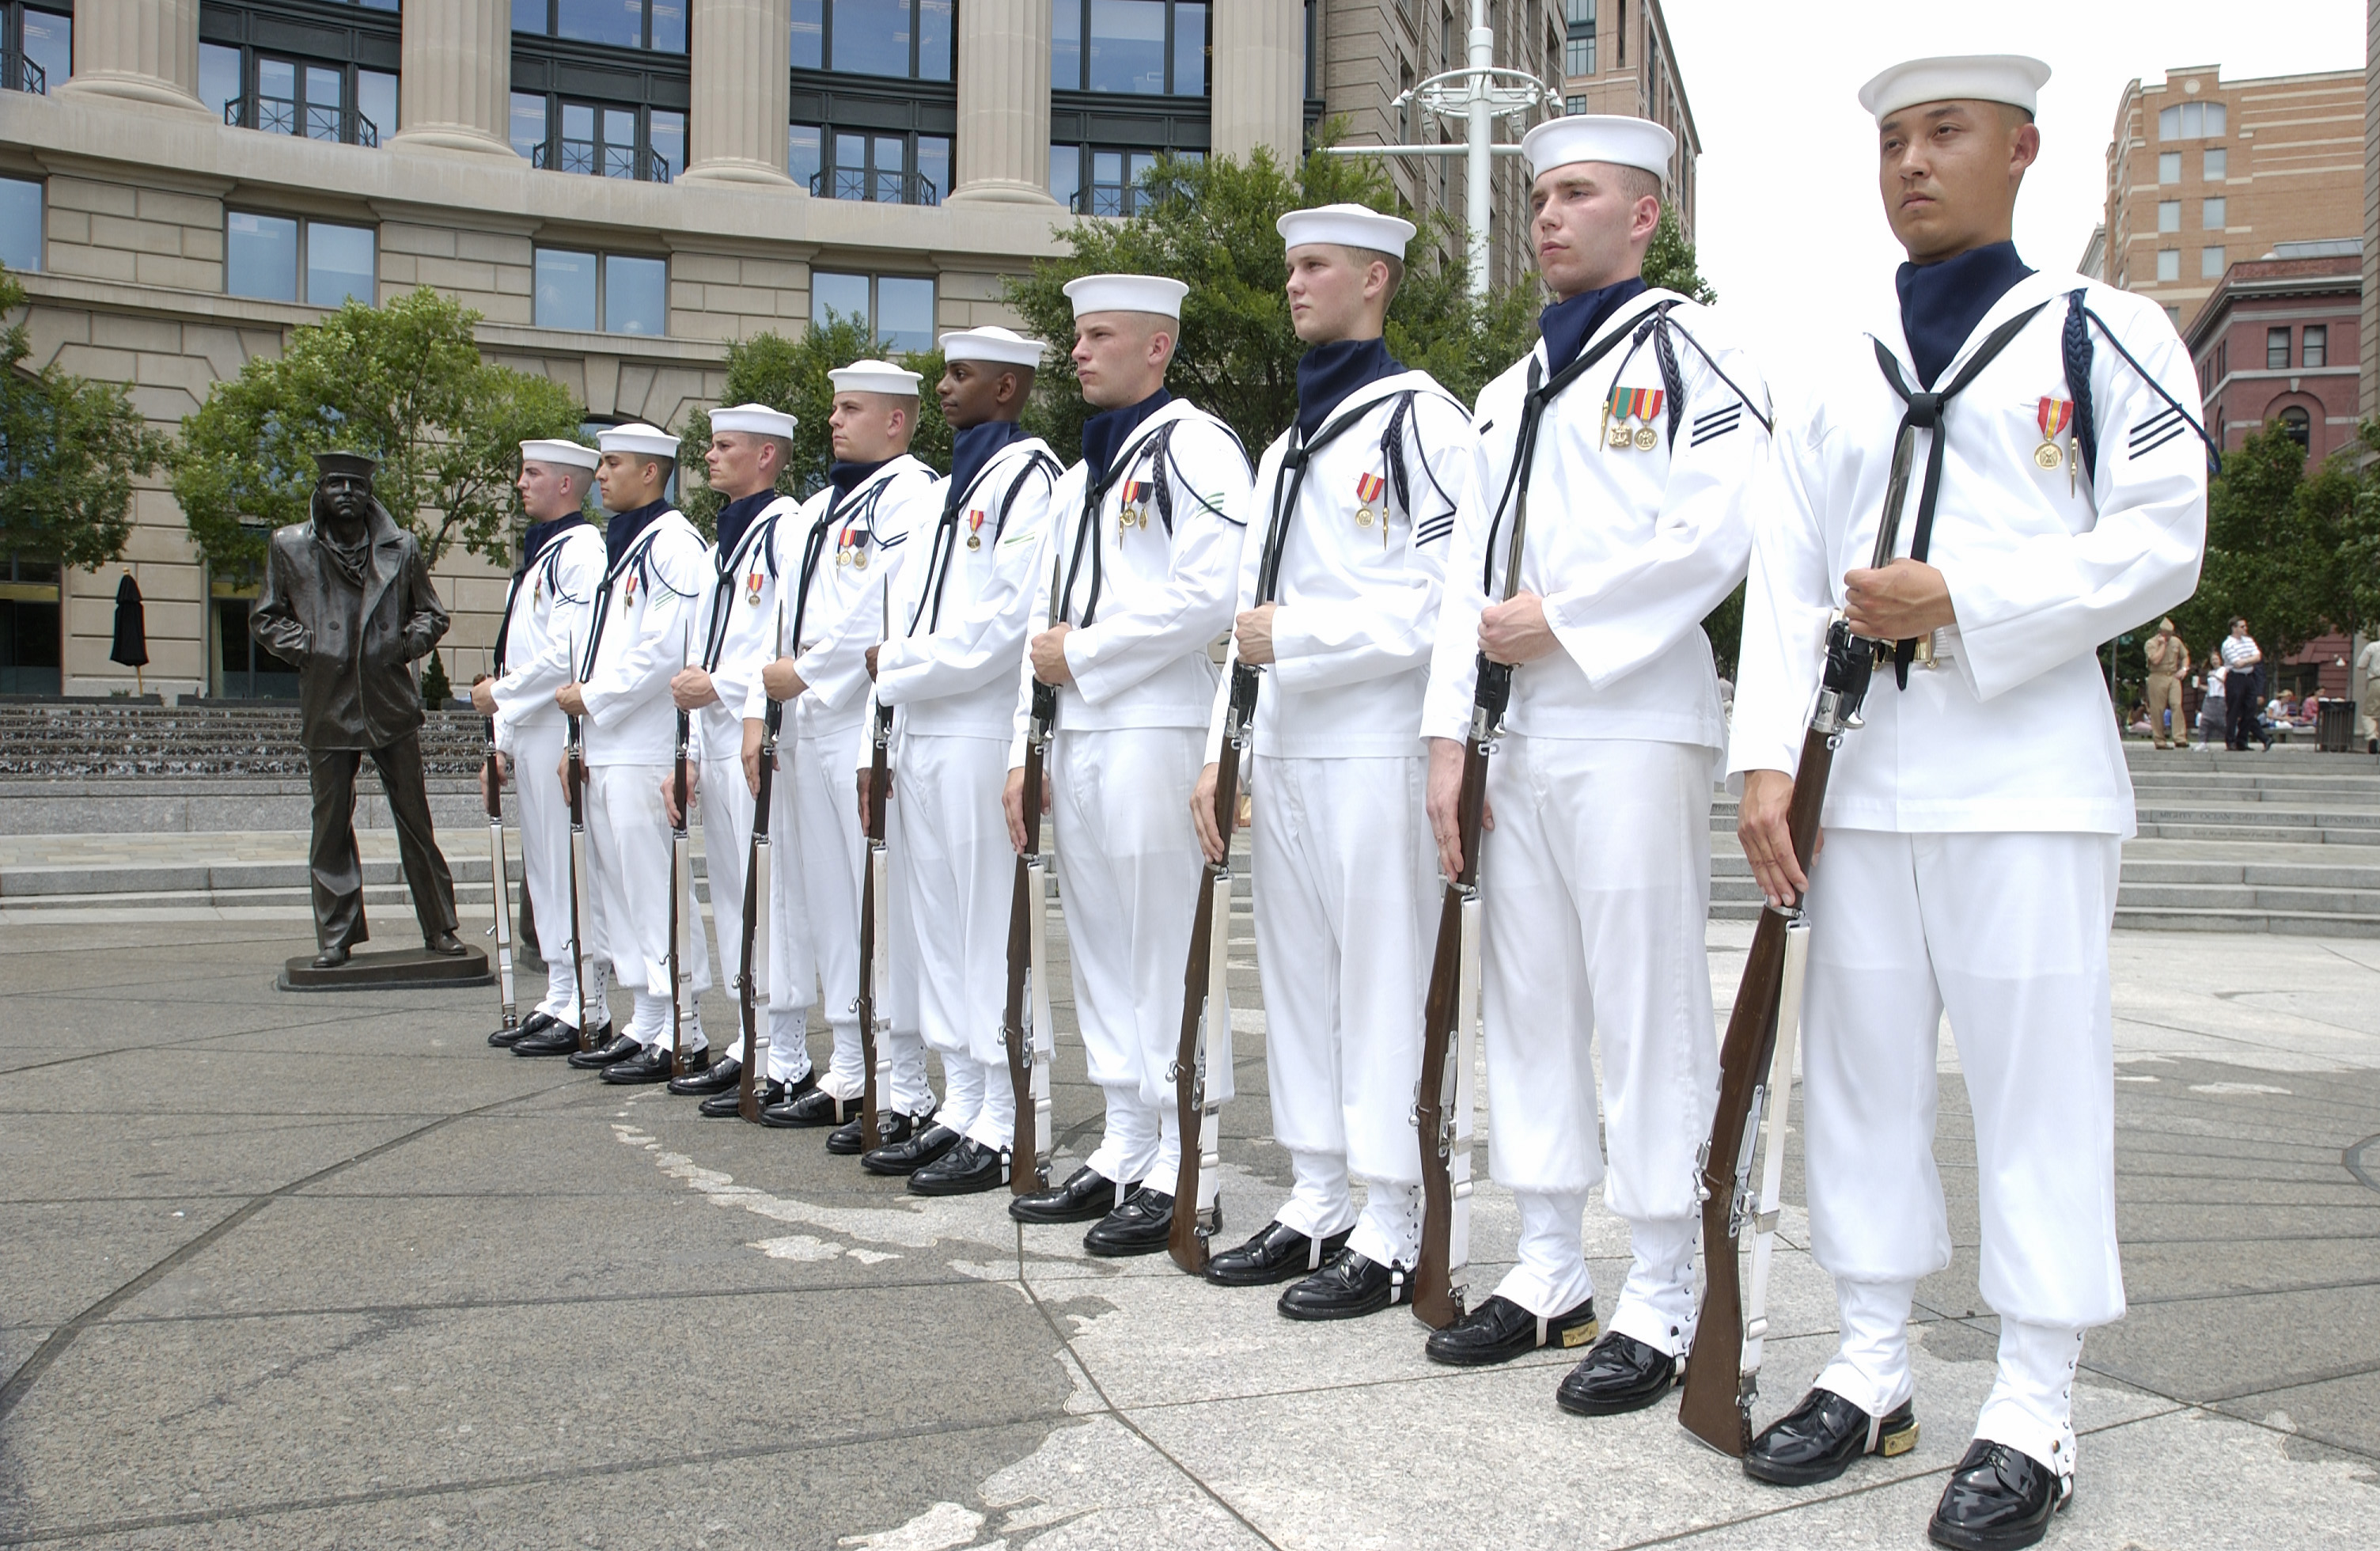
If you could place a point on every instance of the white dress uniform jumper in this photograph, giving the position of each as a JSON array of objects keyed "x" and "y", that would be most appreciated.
[
  {"x": 643, "y": 632},
  {"x": 833, "y": 558},
  {"x": 548, "y": 610},
  {"x": 1342, "y": 867},
  {"x": 963, "y": 601},
  {"x": 1972, "y": 823},
  {"x": 1145, "y": 574},
  {"x": 1596, "y": 877}
]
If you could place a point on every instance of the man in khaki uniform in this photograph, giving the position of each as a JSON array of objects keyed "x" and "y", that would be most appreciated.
[{"x": 2169, "y": 666}]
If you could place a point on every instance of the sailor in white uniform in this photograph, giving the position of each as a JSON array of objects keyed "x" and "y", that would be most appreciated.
[
  {"x": 963, "y": 599},
  {"x": 1144, "y": 553},
  {"x": 1594, "y": 878},
  {"x": 641, "y": 635},
  {"x": 547, "y": 611},
  {"x": 751, "y": 447},
  {"x": 2057, "y": 497},
  {"x": 834, "y": 558},
  {"x": 1339, "y": 587}
]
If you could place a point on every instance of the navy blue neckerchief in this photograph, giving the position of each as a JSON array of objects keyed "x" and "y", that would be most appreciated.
[
  {"x": 533, "y": 545},
  {"x": 622, "y": 530},
  {"x": 733, "y": 518},
  {"x": 1104, "y": 435},
  {"x": 1941, "y": 303},
  {"x": 735, "y": 523},
  {"x": 1327, "y": 373},
  {"x": 971, "y": 450},
  {"x": 1568, "y": 324}
]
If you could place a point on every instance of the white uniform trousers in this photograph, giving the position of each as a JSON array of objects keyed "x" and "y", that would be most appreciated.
[
  {"x": 628, "y": 842},
  {"x": 957, "y": 874},
  {"x": 726, "y": 848},
  {"x": 1344, "y": 879},
  {"x": 1128, "y": 866},
  {"x": 1595, "y": 884},
  {"x": 543, "y": 808},
  {"x": 815, "y": 877},
  {"x": 2007, "y": 933}
]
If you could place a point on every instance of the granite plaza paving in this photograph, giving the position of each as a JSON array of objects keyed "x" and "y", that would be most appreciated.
[{"x": 312, "y": 1270}]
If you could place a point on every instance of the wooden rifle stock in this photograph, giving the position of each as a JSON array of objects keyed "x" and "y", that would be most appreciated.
[
  {"x": 871, "y": 905},
  {"x": 503, "y": 893},
  {"x": 1028, "y": 1168},
  {"x": 756, "y": 899}
]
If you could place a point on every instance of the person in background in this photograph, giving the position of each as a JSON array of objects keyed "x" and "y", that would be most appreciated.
[
  {"x": 2168, "y": 659},
  {"x": 2211, "y": 714},
  {"x": 2240, "y": 657},
  {"x": 2367, "y": 664}
]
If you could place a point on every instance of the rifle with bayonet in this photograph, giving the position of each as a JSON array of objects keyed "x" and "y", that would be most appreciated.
[
  {"x": 1031, "y": 1046},
  {"x": 503, "y": 929},
  {"x": 875, "y": 935},
  {"x": 681, "y": 959},
  {"x": 1756, "y": 1081},
  {"x": 755, "y": 896},
  {"x": 574, "y": 759}
]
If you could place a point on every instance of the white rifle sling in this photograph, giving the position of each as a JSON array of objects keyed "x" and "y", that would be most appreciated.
[
  {"x": 1760, "y": 1224},
  {"x": 578, "y": 920},
  {"x": 1458, "y": 1097},
  {"x": 756, "y": 931},
  {"x": 1040, "y": 1038},
  {"x": 880, "y": 972},
  {"x": 501, "y": 899},
  {"x": 681, "y": 941},
  {"x": 1214, "y": 1056}
]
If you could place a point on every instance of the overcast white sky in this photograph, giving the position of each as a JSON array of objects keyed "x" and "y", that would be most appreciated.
[{"x": 1790, "y": 229}]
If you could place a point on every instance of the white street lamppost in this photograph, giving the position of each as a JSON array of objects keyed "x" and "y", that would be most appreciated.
[{"x": 1476, "y": 96}]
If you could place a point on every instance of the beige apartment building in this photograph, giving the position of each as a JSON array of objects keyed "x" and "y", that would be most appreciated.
[
  {"x": 1617, "y": 58},
  {"x": 2204, "y": 173},
  {"x": 621, "y": 187}
]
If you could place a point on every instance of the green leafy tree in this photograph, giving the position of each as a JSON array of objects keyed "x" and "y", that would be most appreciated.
[
  {"x": 1210, "y": 224},
  {"x": 404, "y": 383},
  {"x": 791, "y": 375},
  {"x": 2265, "y": 547},
  {"x": 69, "y": 451},
  {"x": 1669, "y": 261}
]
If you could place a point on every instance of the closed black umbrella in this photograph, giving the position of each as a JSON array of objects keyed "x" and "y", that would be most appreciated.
[{"x": 131, "y": 646}]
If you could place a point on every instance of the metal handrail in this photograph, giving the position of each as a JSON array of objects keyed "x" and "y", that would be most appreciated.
[
  {"x": 19, "y": 73},
  {"x": 315, "y": 121},
  {"x": 585, "y": 156},
  {"x": 878, "y": 187}
]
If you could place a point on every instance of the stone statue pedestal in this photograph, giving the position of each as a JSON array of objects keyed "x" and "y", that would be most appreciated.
[{"x": 407, "y": 969}]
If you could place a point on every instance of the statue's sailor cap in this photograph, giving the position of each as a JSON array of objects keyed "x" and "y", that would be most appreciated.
[
  {"x": 637, "y": 437},
  {"x": 1127, "y": 293},
  {"x": 554, "y": 452},
  {"x": 1989, "y": 78},
  {"x": 875, "y": 377},
  {"x": 353, "y": 464},
  {"x": 1000, "y": 347},
  {"x": 1349, "y": 226},
  {"x": 753, "y": 420},
  {"x": 1619, "y": 140}
]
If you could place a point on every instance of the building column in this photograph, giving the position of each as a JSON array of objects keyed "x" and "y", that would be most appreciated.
[
  {"x": 740, "y": 86},
  {"x": 1258, "y": 80},
  {"x": 1002, "y": 154},
  {"x": 455, "y": 76},
  {"x": 146, "y": 50}
]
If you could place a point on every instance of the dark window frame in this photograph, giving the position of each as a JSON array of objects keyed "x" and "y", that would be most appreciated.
[
  {"x": 20, "y": 72},
  {"x": 833, "y": 180},
  {"x": 603, "y": 257},
  {"x": 565, "y": 71},
  {"x": 2279, "y": 341},
  {"x": 1173, "y": 8},
  {"x": 320, "y": 33},
  {"x": 305, "y": 223},
  {"x": 827, "y": 66},
  {"x": 2314, "y": 346},
  {"x": 832, "y": 102},
  {"x": 554, "y": 21}
]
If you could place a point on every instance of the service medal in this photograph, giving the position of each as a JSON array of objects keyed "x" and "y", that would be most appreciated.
[
  {"x": 1646, "y": 439},
  {"x": 859, "y": 560},
  {"x": 752, "y": 588},
  {"x": 1620, "y": 437},
  {"x": 628, "y": 588},
  {"x": 2053, "y": 416},
  {"x": 974, "y": 530},
  {"x": 1367, "y": 490}
]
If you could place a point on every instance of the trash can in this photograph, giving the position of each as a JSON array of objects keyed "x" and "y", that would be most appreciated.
[{"x": 2337, "y": 725}]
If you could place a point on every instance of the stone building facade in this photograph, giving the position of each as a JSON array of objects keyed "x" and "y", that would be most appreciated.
[
  {"x": 621, "y": 190},
  {"x": 2204, "y": 173},
  {"x": 2280, "y": 340},
  {"x": 1617, "y": 58}
]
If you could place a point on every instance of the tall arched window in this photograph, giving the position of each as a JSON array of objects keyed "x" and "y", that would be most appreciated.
[{"x": 2299, "y": 424}]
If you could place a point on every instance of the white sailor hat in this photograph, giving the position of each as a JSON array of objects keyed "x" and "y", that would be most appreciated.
[
  {"x": 1001, "y": 346},
  {"x": 569, "y": 454},
  {"x": 753, "y": 420},
  {"x": 1989, "y": 78},
  {"x": 638, "y": 436},
  {"x": 1127, "y": 293},
  {"x": 875, "y": 377},
  {"x": 1347, "y": 225},
  {"x": 1619, "y": 139}
]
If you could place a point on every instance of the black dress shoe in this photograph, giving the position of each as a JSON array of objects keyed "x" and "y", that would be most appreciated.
[
  {"x": 1621, "y": 1374},
  {"x": 1818, "y": 1439},
  {"x": 330, "y": 958},
  {"x": 1141, "y": 1226},
  {"x": 653, "y": 1064},
  {"x": 1998, "y": 1498},
  {"x": 1086, "y": 1196},
  {"x": 969, "y": 1168},
  {"x": 718, "y": 1077},
  {"x": 891, "y": 1130},
  {"x": 616, "y": 1050},
  {"x": 557, "y": 1038},
  {"x": 912, "y": 1152},
  {"x": 1273, "y": 1256},
  {"x": 536, "y": 1022},
  {"x": 445, "y": 944},
  {"x": 806, "y": 1104},
  {"x": 728, "y": 1106},
  {"x": 1499, "y": 1330},
  {"x": 1349, "y": 1288}
]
